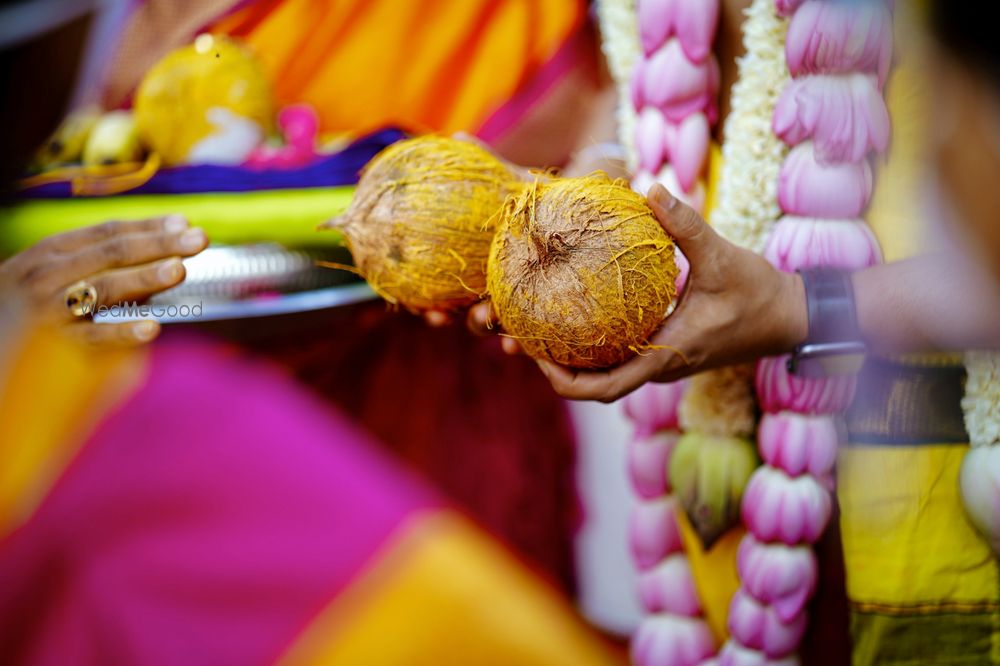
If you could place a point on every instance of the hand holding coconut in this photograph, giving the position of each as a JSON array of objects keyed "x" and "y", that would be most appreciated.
[
  {"x": 735, "y": 308},
  {"x": 580, "y": 271}
]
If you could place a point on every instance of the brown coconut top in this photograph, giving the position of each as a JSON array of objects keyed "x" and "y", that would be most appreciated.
[{"x": 581, "y": 273}]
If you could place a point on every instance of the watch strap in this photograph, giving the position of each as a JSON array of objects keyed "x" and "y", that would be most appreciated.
[
  {"x": 833, "y": 345},
  {"x": 833, "y": 315}
]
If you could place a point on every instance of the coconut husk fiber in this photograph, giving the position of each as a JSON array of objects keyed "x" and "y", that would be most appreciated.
[
  {"x": 580, "y": 271},
  {"x": 420, "y": 223}
]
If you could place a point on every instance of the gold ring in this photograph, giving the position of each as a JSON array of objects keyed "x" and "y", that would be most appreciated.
[{"x": 80, "y": 298}]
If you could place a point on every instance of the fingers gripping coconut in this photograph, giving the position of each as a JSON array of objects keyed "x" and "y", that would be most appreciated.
[
  {"x": 581, "y": 272},
  {"x": 421, "y": 221}
]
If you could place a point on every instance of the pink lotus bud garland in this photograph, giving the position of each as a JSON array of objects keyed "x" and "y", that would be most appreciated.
[
  {"x": 833, "y": 117},
  {"x": 654, "y": 408},
  {"x": 845, "y": 117},
  {"x": 799, "y": 444},
  {"x": 808, "y": 188},
  {"x": 684, "y": 145},
  {"x": 758, "y": 627},
  {"x": 669, "y": 588},
  {"x": 674, "y": 88},
  {"x": 672, "y": 640},
  {"x": 778, "y": 390},
  {"x": 692, "y": 23},
  {"x": 676, "y": 85},
  {"x": 829, "y": 37},
  {"x": 653, "y": 531},
  {"x": 784, "y": 577},
  {"x": 784, "y": 509},
  {"x": 800, "y": 242},
  {"x": 647, "y": 463}
]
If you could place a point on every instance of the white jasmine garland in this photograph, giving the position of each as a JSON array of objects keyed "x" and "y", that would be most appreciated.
[
  {"x": 620, "y": 43},
  {"x": 747, "y": 204},
  {"x": 981, "y": 403}
]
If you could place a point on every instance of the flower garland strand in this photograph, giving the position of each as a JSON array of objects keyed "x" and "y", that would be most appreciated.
[
  {"x": 834, "y": 117},
  {"x": 979, "y": 479},
  {"x": 674, "y": 87},
  {"x": 752, "y": 155},
  {"x": 620, "y": 44},
  {"x": 820, "y": 228},
  {"x": 672, "y": 102}
]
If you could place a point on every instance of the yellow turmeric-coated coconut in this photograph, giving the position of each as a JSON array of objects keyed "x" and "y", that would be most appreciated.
[
  {"x": 422, "y": 218},
  {"x": 580, "y": 271},
  {"x": 208, "y": 102}
]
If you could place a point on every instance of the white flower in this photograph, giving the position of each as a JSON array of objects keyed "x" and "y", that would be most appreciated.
[
  {"x": 752, "y": 154},
  {"x": 620, "y": 43},
  {"x": 982, "y": 398}
]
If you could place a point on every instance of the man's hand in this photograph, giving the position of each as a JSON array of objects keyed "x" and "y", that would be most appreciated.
[{"x": 735, "y": 308}]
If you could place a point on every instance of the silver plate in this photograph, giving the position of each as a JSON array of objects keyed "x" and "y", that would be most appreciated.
[{"x": 239, "y": 282}]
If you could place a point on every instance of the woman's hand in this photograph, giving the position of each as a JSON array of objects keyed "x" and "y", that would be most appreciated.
[
  {"x": 123, "y": 261},
  {"x": 735, "y": 308}
]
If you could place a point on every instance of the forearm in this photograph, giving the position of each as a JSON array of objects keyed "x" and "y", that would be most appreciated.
[
  {"x": 934, "y": 302},
  {"x": 593, "y": 150}
]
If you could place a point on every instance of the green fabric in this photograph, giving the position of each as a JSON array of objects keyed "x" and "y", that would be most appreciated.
[
  {"x": 288, "y": 217},
  {"x": 926, "y": 637}
]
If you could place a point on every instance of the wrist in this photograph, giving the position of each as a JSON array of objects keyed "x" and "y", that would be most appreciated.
[
  {"x": 608, "y": 157},
  {"x": 795, "y": 322},
  {"x": 832, "y": 344}
]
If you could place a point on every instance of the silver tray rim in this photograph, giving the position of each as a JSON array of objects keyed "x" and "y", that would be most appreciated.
[{"x": 249, "y": 308}]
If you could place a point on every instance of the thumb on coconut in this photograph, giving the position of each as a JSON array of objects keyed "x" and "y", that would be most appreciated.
[{"x": 691, "y": 233}]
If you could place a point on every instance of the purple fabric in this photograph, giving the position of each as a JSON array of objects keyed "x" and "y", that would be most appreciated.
[
  {"x": 207, "y": 521},
  {"x": 338, "y": 169}
]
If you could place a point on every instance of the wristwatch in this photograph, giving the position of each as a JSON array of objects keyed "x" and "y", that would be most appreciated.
[{"x": 833, "y": 345}]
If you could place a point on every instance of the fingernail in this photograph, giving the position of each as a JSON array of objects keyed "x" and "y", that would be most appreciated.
[
  {"x": 192, "y": 240},
  {"x": 145, "y": 330},
  {"x": 174, "y": 224},
  {"x": 664, "y": 198},
  {"x": 170, "y": 271}
]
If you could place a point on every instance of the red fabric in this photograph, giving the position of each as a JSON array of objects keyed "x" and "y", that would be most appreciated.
[
  {"x": 827, "y": 641},
  {"x": 485, "y": 428}
]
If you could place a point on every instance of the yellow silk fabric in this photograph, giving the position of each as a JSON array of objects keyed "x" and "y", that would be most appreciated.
[
  {"x": 441, "y": 592},
  {"x": 55, "y": 394},
  {"x": 907, "y": 542},
  {"x": 424, "y": 65}
]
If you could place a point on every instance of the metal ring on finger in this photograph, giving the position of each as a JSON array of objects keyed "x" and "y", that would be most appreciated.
[{"x": 81, "y": 298}]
